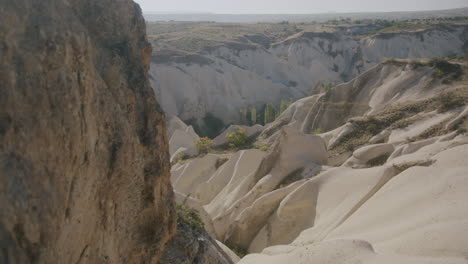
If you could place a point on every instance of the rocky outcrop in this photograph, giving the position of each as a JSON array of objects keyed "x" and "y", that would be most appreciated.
[
  {"x": 239, "y": 196},
  {"x": 192, "y": 245},
  {"x": 388, "y": 83},
  {"x": 346, "y": 57},
  {"x": 386, "y": 185},
  {"x": 182, "y": 139},
  {"x": 408, "y": 217},
  {"x": 237, "y": 75},
  {"x": 84, "y": 164}
]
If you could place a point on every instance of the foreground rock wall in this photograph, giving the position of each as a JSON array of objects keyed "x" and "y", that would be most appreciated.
[{"x": 84, "y": 164}]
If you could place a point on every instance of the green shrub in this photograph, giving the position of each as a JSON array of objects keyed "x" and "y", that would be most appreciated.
[
  {"x": 238, "y": 138},
  {"x": 284, "y": 105},
  {"x": 325, "y": 87},
  {"x": 180, "y": 157},
  {"x": 261, "y": 147},
  {"x": 240, "y": 252},
  {"x": 269, "y": 114},
  {"x": 220, "y": 162},
  {"x": 317, "y": 131},
  {"x": 189, "y": 216},
  {"x": 204, "y": 145}
]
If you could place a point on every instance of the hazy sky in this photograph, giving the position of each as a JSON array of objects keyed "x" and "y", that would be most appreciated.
[{"x": 295, "y": 6}]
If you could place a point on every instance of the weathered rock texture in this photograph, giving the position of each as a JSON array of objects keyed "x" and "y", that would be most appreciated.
[
  {"x": 182, "y": 139},
  {"x": 190, "y": 246},
  {"x": 84, "y": 164},
  {"x": 388, "y": 83},
  {"x": 224, "y": 79},
  {"x": 387, "y": 186}
]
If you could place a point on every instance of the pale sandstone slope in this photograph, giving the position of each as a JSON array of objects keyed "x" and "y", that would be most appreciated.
[
  {"x": 388, "y": 186},
  {"x": 182, "y": 138},
  {"x": 418, "y": 216},
  {"x": 385, "y": 84}
]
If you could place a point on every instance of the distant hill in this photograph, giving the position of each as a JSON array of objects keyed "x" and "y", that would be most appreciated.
[{"x": 254, "y": 18}]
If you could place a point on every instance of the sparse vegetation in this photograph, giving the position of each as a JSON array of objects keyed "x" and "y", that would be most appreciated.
[
  {"x": 443, "y": 69},
  {"x": 181, "y": 157},
  {"x": 292, "y": 177},
  {"x": 462, "y": 127},
  {"x": 317, "y": 131},
  {"x": 220, "y": 162},
  {"x": 446, "y": 70},
  {"x": 284, "y": 104},
  {"x": 238, "y": 139},
  {"x": 190, "y": 216},
  {"x": 378, "y": 161},
  {"x": 261, "y": 147},
  {"x": 269, "y": 114},
  {"x": 433, "y": 131},
  {"x": 404, "y": 166},
  {"x": 213, "y": 125},
  {"x": 462, "y": 130},
  {"x": 402, "y": 123},
  {"x": 240, "y": 252},
  {"x": 204, "y": 145},
  {"x": 364, "y": 128},
  {"x": 449, "y": 100},
  {"x": 325, "y": 87}
]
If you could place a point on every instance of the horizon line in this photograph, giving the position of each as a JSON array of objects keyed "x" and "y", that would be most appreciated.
[{"x": 310, "y": 13}]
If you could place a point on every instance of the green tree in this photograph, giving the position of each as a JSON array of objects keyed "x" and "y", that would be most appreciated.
[
  {"x": 270, "y": 113},
  {"x": 243, "y": 116},
  {"x": 284, "y": 105},
  {"x": 213, "y": 125},
  {"x": 253, "y": 115}
]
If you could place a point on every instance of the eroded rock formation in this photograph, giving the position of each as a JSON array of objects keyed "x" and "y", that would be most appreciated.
[
  {"x": 244, "y": 72},
  {"x": 386, "y": 184},
  {"x": 84, "y": 164}
]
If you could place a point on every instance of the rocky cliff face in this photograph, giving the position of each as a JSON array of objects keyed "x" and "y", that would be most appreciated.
[
  {"x": 84, "y": 164},
  {"x": 256, "y": 70}
]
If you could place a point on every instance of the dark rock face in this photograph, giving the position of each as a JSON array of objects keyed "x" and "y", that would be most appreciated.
[{"x": 84, "y": 166}]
